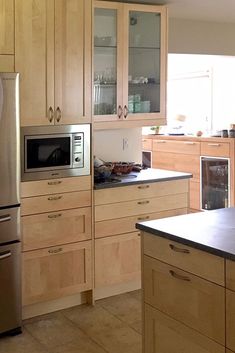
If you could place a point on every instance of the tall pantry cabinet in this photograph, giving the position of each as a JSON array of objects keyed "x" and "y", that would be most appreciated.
[
  {"x": 6, "y": 35},
  {"x": 53, "y": 56}
]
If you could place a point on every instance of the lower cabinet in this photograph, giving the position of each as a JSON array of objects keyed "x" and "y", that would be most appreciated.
[
  {"x": 163, "y": 334},
  {"x": 230, "y": 319},
  {"x": 55, "y": 272}
]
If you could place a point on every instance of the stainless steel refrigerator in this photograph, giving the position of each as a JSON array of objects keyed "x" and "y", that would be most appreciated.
[{"x": 10, "y": 247}]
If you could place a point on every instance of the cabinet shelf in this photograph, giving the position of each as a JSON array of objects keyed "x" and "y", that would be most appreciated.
[{"x": 145, "y": 48}]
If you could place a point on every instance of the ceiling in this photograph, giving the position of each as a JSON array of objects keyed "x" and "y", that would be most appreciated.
[{"x": 203, "y": 10}]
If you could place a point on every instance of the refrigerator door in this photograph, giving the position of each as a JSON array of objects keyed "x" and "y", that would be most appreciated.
[
  {"x": 9, "y": 225},
  {"x": 9, "y": 140},
  {"x": 10, "y": 284}
]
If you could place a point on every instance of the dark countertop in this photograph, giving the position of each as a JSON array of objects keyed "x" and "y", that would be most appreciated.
[
  {"x": 210, "y": 231},
  {"x": 149, "y": 175}
]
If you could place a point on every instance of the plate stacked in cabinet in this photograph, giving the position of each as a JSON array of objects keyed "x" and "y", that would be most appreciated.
[
  {"x": 56, "y": 231},
  {"x": 117, "y": 242}
]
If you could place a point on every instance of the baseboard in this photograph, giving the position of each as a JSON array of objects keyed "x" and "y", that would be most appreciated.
[{"x": 116, "y": 289}]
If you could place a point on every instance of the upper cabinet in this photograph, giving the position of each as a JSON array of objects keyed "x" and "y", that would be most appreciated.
[
  {"x": 53, "y": 57},
  {"x": 7, "y": 35},
  {"x": 129, "y": 79}
]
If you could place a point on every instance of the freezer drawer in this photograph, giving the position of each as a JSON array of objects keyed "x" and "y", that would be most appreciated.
[
  {"x": 9, "y": 225},
  {"x": 10, "y": 284}
]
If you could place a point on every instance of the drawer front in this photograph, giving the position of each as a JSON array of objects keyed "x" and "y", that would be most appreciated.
[
  {"x": 147, "y": 144},
  {"x": 215, "y": 149},
  {"x": 56, "y": 272},
  {"x": 127, "y": 224},
  {"x": 113, "y": 263},
  {"x": 54, "y": 202},
  {"x": 178, "y": 162},
  {"x": 51, "y": 229},
  {"x": 184, "y": 147},
  {"x": 134, "y": 208},
  {"x": 55, "y": 186},
  {"x": 230, "y": 319},
  {"x": 164, "y": 334},
  {"x": 189, "y": 299},
  {"x": 230, "y": 275},
  {"x": 185, "y": 258},
  {"x": 139, "y": 191},
  {"x": 194, "y": 195}
]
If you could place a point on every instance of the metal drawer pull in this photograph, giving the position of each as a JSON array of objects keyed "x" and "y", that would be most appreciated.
[
  {"x": 143, "y": 202},
  {"x": 125, "y": 111},
  {"x": 174, "y": 248},
  {"x": 54, "y": 198},
  {"x": 139, "y": 234},
  {"x": 5, "y": 254},
  {"x": 189, "y": 143},
  {"x": 214, "y": 144},
  {"x": 50, "y": 114},
  {"x": 5, "y": 218},
  {"x": 58, "y": 114},
  {"x": 143, "y": 187},
  {"x": 55, "y": 251},
  {"x": 160, "y": 141},
  {"x": 55, "y": 215},
  {"x": 54, "y": 182},
  {"x": 175, "y": 275},
  {"x": 120, "y": 112},
  {"x": 143, "y": 218}
]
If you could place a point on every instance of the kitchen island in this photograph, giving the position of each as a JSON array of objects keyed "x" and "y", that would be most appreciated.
[{"x": 188, "y": 277}]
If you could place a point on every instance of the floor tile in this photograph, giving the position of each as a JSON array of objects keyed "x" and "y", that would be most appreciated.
[
  {"x": 137, "y": 326},
  {"x": 52, "y": 330},
  {"x": 136, "y": 294},
  {"x": 23, "y": 343}
]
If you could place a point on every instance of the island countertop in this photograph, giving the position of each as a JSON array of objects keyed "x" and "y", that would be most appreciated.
[
  {"x": 150, "y": 175},
  {"x": 210, "y": 231}
]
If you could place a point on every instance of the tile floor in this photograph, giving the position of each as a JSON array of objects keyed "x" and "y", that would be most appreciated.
[{"x": 113, "y": 325}]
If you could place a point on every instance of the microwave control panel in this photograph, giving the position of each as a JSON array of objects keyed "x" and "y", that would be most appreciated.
[{"x": 78, "y": 150}]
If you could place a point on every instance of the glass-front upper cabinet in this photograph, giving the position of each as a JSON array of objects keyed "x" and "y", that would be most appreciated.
[{"x": 130, "y": 43}]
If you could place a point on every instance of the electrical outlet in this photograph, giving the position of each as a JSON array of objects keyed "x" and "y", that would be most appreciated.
[{"x": 125, "y": 144}]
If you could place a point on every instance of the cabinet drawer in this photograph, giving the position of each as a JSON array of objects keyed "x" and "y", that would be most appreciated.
[
  {"x": 178, "y": 162},
  {"x": 164, "y": 334},
  {"x": 55, "y": 186},
  {"x": 230, "y": 275},
  {"x": 113, "y": 263},
  {"x": 139, "y": 191},
  {"x": 134, "y": 208},
  {"x": 189, "y": 299},
  {"x": 185, "y": 147},
  {"x": 54, "y": 202},
  {"x": 230, "y": 319},
  {"x": 185, "y": 257},
  {"x": 127, "y": 224},
  {"x": 147, "y": 144},
  {"x": 51, "y": 229},
  {"x": 194, "y": 195},
  {"x": 56, "y": 272},
  {"x": 215, "y": 149}
]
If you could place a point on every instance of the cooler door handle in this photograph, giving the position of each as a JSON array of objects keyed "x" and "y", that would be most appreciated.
[{"x": 5, "y": 218}]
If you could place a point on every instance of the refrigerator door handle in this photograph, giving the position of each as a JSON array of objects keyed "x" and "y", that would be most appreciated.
[
  {"x": 5, "y": 218},
  {"x": 5, "y": 254}
]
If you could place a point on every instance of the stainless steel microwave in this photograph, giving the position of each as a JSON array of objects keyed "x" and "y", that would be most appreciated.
[{"x": 55, "y": 151}]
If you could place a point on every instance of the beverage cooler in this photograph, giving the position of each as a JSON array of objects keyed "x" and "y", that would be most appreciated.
[{"x": 215, "y": 183}]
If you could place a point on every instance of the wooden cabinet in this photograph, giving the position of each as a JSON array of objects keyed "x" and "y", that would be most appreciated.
[
  {"x": 215, "y": 149},
  {"x": 147, "y": 144},
  {"x": 129, "y": 65},
  {"x": 7, "y": 48},
  {"x": 53, "y": 56},
  {"x": 230, "y": 303}
]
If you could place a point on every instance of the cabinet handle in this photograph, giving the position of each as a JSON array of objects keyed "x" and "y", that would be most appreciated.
[
  {"x": 120, "y": 112},
  {"x": 143, "y": 187},
  {"x": 160, "y": 141},
  {"x": 139, "y": 234},
  {"x": 50, "y": 114},
  {"x": 189, "y": 143},
  {"x": 125, "y": 111},
  {"x": 58, "y": 114},
  {"x": 57, "y": 182},
  {"x": 5, "y": 255},
  {"x": 214, "y": 144},
  {"x": 54, "y": 198},
  {"x": 5, "y": 218},
  {"x": 143, "y": 202},
  {"x": 175, "y": 248},
  {"x": 57, "y": 215},
  {"x": 55, "y": 251},
  {"x": 176, "y": 275},
  {"x": 143, "y": 218}
]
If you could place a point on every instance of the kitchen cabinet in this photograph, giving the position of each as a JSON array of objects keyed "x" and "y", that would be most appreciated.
[
  {"x": 7, "y": 27},
  {"x": 129, "y": 83},
  {"x": 53, "y": 57}
]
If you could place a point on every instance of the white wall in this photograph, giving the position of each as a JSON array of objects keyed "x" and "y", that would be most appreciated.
[{"x": 108, "y": 145}]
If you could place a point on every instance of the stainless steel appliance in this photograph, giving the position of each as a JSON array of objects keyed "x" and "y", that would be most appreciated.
[
  {"x": 10, "y": 248},
  {"x": 55, "y": 151}
]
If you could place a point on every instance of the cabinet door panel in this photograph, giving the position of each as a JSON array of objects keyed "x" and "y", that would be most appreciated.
[
  {"x": 189, "y": 299},
  {"x": 34, "y": 48},
  {"x": 7, "y": 27},
  {"x": 166, "y": 335},
  {"x": 185, "y": 147},
  {"x": 230, "y": 319},
  {"x": 56, "y": 272},
  {"x": 113, "y": 263},
  {"x": 7, "y": 63},
  {"x": 194, "y": 198}
]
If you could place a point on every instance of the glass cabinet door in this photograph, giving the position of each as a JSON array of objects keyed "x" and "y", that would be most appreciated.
[{"x": 106, "y": 96}]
